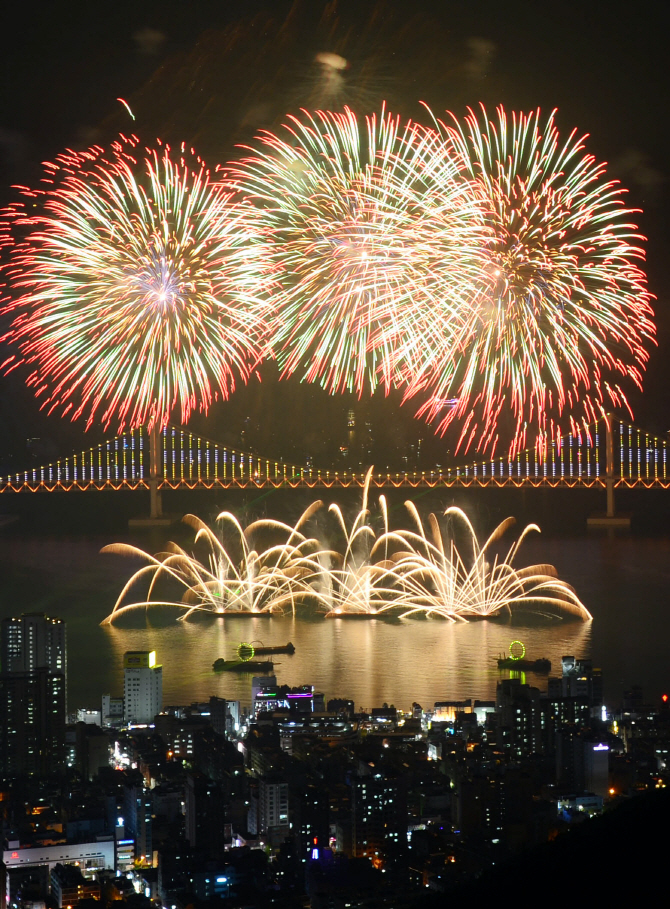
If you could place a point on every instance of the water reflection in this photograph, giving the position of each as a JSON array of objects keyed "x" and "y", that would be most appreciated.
[
  {"x": 624, "y": 583},
  {"x": 370, "y": 661}
]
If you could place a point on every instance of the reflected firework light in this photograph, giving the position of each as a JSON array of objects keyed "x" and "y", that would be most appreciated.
[
  {"x": 131, "y": 286},
  {"x": 562, "y": 321}
]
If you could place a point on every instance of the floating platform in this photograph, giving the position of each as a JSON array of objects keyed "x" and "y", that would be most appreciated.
[
  {"x": 147, "y": 523},
  {"x": 261, "y": 650}
]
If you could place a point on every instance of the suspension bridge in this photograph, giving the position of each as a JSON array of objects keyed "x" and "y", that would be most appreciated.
[{"x": 610, "y": 454}]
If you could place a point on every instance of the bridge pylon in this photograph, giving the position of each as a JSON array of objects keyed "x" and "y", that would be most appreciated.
[
  {"x": 610, "y": 518},
  {"x": 154, "y": 472},
  {"x": 156, "y": 517}
]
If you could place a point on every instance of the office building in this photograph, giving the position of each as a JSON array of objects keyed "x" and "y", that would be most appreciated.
[
  {"x": 582, "y": 762},
  {"x": 282, "y": 697},
  {"x": 143, "y": 686},
  {"x": 89, "y": 856},
  {"x": 578, "y": 680},
  {"x": 112, "y": 711}
]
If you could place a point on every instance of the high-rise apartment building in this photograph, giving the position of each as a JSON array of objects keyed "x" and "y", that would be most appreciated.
[
  {"x": 32, "y": 719},
  {"x": 33, "y": 641},
  {"x": 272, "y": 803},
  {"x": 137, "y": 815},
  {"x": 205, "y": 815},
  {"x": 143, "y": 686},
  {"x": 379, "y": 813},
  {"x": 33, "y": 663}
]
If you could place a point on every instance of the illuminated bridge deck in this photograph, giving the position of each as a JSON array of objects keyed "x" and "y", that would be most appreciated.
[{"x": 189, "y": 461}]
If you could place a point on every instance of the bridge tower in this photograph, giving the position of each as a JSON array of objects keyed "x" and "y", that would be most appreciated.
[
  {"x": 156, "y": 517},
  {"x": 156, "y": 508},
  {"x": 610, "y": 518}
]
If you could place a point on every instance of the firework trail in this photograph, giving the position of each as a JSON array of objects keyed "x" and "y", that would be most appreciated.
[
  {"x": 133, "y": 294},
  {"x": 371, "y": 236},
  {"x": 563, "y": 314}
]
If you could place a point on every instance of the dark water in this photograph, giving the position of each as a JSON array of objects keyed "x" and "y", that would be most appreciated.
[{"x": 50, "y": 562}]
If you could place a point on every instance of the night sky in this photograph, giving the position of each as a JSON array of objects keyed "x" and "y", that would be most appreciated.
[{"x": 213, "y": 73}]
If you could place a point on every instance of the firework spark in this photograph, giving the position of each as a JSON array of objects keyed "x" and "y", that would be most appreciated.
[
  {"x": 563, "y": 314},
  {"x": 132, "y": 285},
  {"x": 362, "y": 578},
  {"x": 371, "y": 234}
]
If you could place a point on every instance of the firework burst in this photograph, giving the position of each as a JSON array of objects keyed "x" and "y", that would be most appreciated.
[
  {"x": 370, "y": 233},
  {"x": 563, "y": 314},
  {"x": 132, "y": 290}
]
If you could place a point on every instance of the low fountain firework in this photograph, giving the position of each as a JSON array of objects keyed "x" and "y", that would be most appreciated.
[
  {"x": 238, "y": 579},
  {"x": 399, "y": 573}
]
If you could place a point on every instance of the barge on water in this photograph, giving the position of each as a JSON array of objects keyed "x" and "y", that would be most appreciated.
[
  {"x": 248, "y": 651},
  {"x": 222, "y": 665},
  {"x": 541, "y": 665}
]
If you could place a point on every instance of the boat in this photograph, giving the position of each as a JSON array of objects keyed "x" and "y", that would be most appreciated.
[
  {"x": 541, "y": 665},
  {"x": 222, "y": 665}
]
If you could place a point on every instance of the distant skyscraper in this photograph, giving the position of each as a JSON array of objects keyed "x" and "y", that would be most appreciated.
[
  {"x": 143, "y": 686},
  {"x": 33, "y": 641}
]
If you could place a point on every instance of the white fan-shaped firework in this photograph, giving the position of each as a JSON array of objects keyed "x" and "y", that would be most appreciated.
[
  {"x": 399, "y": 572},
  {"x": 439, "y": 578},
  {"x": 238, "y": 578}
]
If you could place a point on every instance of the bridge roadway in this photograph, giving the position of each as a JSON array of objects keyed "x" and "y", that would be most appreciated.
[{"x": 344, "y": 480}]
